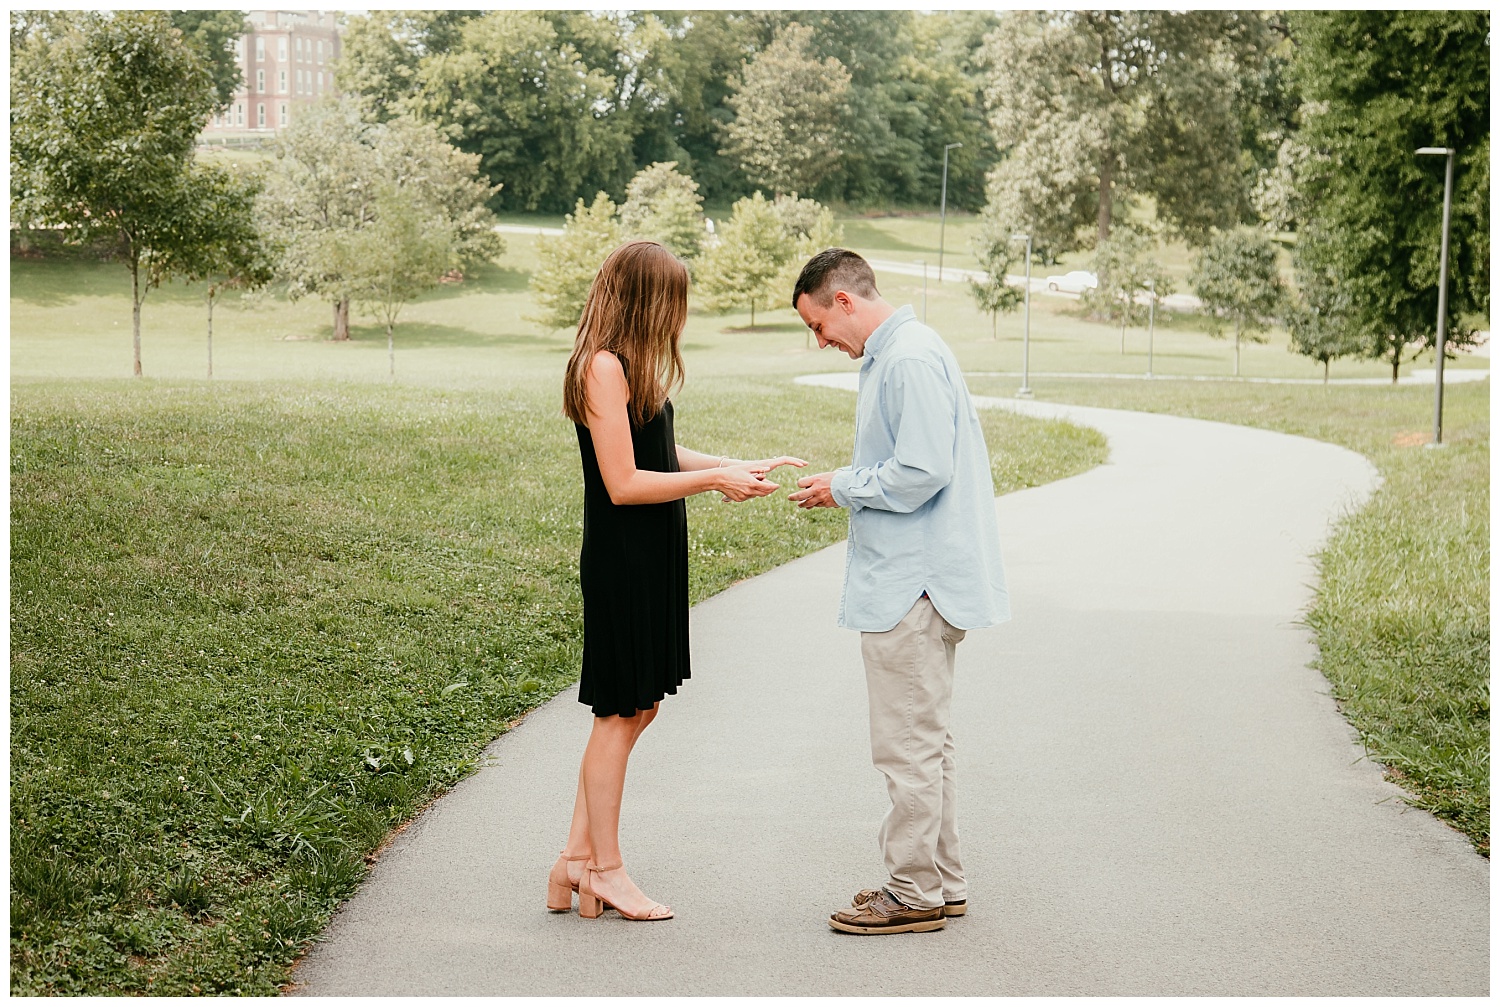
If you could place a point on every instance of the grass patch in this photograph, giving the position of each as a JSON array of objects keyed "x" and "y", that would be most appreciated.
[
  {"x": 257, "y": 625},
  {"x": 1402, "y": 611}
]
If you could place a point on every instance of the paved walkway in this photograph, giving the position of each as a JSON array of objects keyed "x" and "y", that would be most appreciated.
[{"x": 1158, "y": 795}]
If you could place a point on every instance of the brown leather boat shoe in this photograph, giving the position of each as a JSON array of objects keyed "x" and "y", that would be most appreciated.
[
  {"x": 958, "y": 907},
  {"x": 877, "y": 911}
]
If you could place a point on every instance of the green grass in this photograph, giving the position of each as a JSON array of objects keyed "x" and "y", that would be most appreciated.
[
  {"x": 258, "y": 623},
  {"x": 1401, "y": 614}
]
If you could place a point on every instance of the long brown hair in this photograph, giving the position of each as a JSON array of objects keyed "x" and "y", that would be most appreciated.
[{"x": 636, "y": 308}]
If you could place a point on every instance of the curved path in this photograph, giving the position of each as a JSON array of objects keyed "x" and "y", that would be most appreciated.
[{"x": 1158, "y": 795}]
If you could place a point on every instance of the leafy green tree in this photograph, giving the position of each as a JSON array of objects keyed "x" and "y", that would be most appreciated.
[
  {"x": 1095, "y": 108},
  {"x": 333, "y": 167},
  {"x": 213, "y": 33},
  {"x": 811, "y": 227},
  {"x": 1126, "y": 269},
  {"x": 405, "y": 250},
  {"x": 787, "y": 133},
  {"x": 1318, "y": 318},
  {"x": 1236, "y": 278},
  {"x": 1378, "y": 85},
  {"x": 316, "y": 198},
  {"x": 217, "y": 242},
  {"x": 662, "y": 204},
  {"x": 383, "y": 50},
  {"x": 104, "y": 118},
  {"x": 742, "y": 270},
  {"x": 566, "y": 265},
  {"x": 512, "y": 92},
  {"x": 997, "y": 254}
]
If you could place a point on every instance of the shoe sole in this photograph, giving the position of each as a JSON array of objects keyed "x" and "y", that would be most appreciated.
[
  {"x": 958, "y": 910},
  {"x": 920, "y": 927}
]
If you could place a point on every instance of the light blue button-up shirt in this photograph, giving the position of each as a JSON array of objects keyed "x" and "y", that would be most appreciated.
[{"x": 920, "y": 499}]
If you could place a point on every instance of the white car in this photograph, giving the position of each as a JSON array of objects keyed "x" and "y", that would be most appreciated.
[{"x": 1075, "y": 282}]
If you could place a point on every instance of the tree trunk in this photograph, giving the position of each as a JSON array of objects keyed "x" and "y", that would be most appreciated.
[
  {"x": 1396, "y": 366},
  {"x": 210, "y": 331},
  {"x": 390, "y": 345},
  {"x": 1236, "y": 347},
  {"x": 994, "y": 326},
  {"x": 135, "y": 307},
  {"x": 341, "y": 319},
  {"x": 1124, "y": 317},
  {"x": 1106, "y": 193},
  {"x": 1325, "y": 372},
  {"x": 752, "y": 314}
]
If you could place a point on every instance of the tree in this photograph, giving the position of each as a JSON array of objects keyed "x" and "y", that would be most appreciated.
[
  {"x": 811, "y": 227},
  {"x": 1095, "y": 108},
  {"x": 996, "y": 252},
  {"x": 104, "y": 117},
  {"x": 743, "y": 268},
  {"x": 541, "y": 119},
  {"x": 1125, "y": 268},
  {"x": 333, "y": 168},
  {"x": 566, "y": 265},
  {"x": 1319, "y": 317},
  {"x": 789, "y": 112},
  {"x": 217, "y": 242},
  {"x": 1378, "y": 85},
  {"x": 213, "y": 33},
  {"x": 662, "y": 204},
  {"x": 1237, "y": 280},
  {"x": 406, "y": 249},
  {"x": 317, "y": 197}
]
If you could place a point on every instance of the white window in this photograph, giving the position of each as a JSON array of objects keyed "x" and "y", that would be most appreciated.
[
  {"x": 285, "y": 119},
  {"x": 299, "y": 81},
  {"x": 261, "y": 115},
  {"x": 320, "y": 50},
  {"x": 239, "y": 47},
  {"x": 260, "y": 81},
  {"x": 281, "y": 48},
  {"x": 239, "y": 113},
  {"x": 281, "y": 83},
  {"x": 299, "y": 46},
  {"x": 260, "y": 48}
]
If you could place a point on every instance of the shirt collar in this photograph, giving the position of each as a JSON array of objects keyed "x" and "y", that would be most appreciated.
[{"x": 881, "y": 337}]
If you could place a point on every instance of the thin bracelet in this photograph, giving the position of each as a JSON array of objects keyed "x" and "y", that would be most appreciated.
[{"x": 722, "y": 460}]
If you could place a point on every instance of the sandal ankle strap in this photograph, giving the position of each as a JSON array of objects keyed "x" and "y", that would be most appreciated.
[{"x": 600, "y": 868}]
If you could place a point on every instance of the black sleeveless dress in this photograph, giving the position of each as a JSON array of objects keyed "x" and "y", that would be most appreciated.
[{"x": 634, "y": 573}]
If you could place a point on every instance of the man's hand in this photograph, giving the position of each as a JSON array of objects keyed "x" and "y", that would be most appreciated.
[{"x": 814, "y": 491}]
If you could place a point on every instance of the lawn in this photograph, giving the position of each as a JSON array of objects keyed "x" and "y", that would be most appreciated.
[
  {"x": 1402, "y": 613},
  {"x": 258, "y": 622}
]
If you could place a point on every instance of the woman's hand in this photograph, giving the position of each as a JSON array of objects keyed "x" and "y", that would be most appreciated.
[
  {"x": 765, "y": 465},
  {"x": 741, "y": 482}
]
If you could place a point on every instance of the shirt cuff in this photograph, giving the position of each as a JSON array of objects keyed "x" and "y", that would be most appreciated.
[{"x": 838, "y": 486}]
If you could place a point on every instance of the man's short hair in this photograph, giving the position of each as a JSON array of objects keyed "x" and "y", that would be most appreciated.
[{"x": 832, "y": 270}]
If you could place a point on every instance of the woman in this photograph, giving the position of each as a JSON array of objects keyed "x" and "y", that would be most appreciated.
[{"x": 633, "y": 566}]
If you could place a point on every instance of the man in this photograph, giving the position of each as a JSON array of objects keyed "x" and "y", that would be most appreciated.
[{"x": 923, "y": 567}]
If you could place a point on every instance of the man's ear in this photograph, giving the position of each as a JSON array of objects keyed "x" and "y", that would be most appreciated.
[{"x": 844, "y": 301}]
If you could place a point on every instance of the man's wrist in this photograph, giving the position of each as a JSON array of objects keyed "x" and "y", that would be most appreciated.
[{"x": 838, "y": 486}]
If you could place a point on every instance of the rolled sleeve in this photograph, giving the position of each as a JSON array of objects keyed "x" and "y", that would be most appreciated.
[{"x": 920, "y": 405}]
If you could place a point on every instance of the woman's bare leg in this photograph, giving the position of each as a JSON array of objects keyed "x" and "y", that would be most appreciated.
[
  {"x": 578, "y": 833},
  {"x": 603, "y": 783}
]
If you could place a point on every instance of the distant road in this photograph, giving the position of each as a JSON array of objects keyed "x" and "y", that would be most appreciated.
[{"x": 1184, "y": 302}]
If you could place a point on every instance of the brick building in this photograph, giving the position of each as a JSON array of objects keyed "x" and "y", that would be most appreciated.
[{"x": 287, "y": 60}]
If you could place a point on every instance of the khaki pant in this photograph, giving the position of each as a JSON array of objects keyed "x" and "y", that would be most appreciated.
[{"x": 909, "y": 671}]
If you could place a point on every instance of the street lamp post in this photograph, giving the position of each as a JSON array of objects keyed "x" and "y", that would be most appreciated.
[
  {"x": 1151, "y": 330},
  {"x": 943, "y": 226},
  {"x": 1025, "y": 390},
  {"x": 1442, "y": 318}
]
